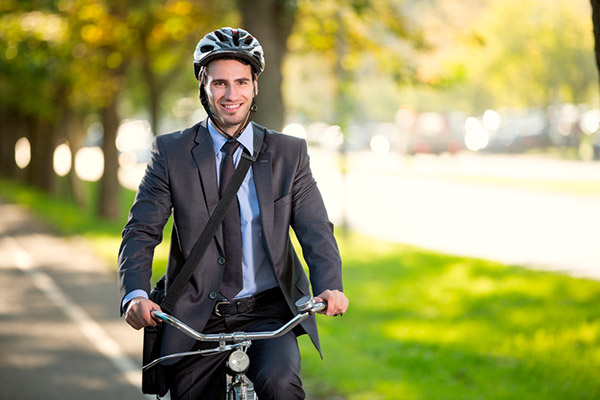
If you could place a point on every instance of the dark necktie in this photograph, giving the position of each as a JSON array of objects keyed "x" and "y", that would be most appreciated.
[{"x": 232, "y": 232}]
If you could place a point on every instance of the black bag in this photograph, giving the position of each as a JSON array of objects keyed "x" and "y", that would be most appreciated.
[{"x": 154, "y": 380}]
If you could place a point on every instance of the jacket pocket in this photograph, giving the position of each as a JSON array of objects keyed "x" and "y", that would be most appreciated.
[{"x": 282, "y": 201}]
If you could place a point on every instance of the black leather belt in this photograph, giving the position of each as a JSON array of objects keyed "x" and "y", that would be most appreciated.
[{"x": 247, "y": 304}]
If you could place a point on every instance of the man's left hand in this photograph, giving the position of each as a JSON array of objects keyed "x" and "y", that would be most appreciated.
[{"x": 337, "y": 302}]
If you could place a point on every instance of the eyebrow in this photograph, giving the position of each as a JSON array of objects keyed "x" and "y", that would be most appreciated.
[{"x": 217, "y": 80}]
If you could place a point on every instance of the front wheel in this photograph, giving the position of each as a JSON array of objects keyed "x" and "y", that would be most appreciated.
[{"x": 240, "y": 388}]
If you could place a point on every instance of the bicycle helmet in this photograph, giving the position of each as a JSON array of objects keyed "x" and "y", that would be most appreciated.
[{"x": 229, "y": 42}]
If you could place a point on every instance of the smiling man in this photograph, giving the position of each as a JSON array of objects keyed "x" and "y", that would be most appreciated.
[{"x": 250, "y": 276}]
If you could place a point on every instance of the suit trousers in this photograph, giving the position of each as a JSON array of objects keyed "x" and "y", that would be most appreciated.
[{"x": 274, "y": 363}]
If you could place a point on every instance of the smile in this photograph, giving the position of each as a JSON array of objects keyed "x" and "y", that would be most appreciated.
[{"x": 231, "y": 106}]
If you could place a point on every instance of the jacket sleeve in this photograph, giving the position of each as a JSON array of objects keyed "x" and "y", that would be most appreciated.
[
  {"x": 144, "y": 229},
  {"x": 314, "y": 230}
]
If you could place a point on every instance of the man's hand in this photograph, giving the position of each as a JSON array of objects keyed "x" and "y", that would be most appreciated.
[
  {"x": 138, "y": 313},
  {"x": 337, "y": 302}
]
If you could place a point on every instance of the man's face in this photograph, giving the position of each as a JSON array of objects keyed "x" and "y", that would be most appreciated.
[{"x": 229, "y": 89}]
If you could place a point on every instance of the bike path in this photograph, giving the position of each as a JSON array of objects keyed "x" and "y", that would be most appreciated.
[{"x": 61, "y": 336}]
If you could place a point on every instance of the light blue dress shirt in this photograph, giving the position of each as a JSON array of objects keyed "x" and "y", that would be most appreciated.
[{"x": 257, "y": 272}]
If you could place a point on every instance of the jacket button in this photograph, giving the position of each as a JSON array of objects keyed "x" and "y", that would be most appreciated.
[
  {"x": 221, "y": 260},
  {"x": 212, "y": 295}
]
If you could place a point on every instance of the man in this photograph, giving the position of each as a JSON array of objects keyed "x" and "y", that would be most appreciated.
[{"x": 225, "y": 293}]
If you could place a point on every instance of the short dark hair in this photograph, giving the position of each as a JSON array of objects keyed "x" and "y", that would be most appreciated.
[{"x": 228, "y": 57}]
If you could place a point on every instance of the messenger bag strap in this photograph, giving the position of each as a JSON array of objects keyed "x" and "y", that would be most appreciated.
[{"x": 187, "y": 269}]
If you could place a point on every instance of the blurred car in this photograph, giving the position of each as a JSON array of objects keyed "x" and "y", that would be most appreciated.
[
  {"x": 435, "y": 133},
  {"x": 520, "y": 131}
]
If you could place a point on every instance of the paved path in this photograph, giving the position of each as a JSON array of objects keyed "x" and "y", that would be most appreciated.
[{"x": 61, "y": 336}]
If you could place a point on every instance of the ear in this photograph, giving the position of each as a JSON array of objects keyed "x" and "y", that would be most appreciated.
[{"x": 255, "y": 88}]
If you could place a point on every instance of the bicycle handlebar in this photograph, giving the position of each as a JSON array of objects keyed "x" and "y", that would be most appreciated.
[{"x": 306, "y": 307}]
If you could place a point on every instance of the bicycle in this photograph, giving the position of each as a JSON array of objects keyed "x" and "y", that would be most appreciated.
[{"x": 238, "y": 386}]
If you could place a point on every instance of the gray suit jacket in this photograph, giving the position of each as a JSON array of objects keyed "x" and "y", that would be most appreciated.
[{"x": 181, "y": 178}]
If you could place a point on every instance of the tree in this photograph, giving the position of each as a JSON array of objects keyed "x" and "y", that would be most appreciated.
[
  {"x": 347, "y": 36},
  {"x": 507, "y": 53},
  {"x": 351, "y": 39},
  {"x": 33, "y": 81},
  {"x": 596, "y": 24}
]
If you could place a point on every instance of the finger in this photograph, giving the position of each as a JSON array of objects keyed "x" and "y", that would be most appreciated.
[
  {"x": 341, "y": 304},
  {"x": 148, "y": 319},
  {"x": 133, "y": 322},
  {"x": 331, "y": 306}
]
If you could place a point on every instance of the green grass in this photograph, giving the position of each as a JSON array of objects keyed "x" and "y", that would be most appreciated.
[{"x": 424, "y": 325}]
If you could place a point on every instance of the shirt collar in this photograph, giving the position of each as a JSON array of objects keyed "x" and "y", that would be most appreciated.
[{"x": 246, "y": 138}]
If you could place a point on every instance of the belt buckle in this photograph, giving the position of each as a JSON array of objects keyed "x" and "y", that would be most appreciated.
[{"x": 217, "y": 313}]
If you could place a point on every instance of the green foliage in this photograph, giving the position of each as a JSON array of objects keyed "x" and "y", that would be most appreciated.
[
  {"x": 510, "y": 53},
  {"x": 423, "y": 325},
  {"x": 440, "y": 55},
  {"x": 345, "y": 38}
]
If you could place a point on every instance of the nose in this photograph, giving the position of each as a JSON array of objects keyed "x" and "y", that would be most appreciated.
[{"x": 231, "y": 92}]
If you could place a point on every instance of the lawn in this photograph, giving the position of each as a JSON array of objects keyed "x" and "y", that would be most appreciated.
[{"x": 424, "y": 325}]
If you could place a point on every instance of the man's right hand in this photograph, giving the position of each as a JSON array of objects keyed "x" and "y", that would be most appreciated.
[{"x": 138, "y": 313}]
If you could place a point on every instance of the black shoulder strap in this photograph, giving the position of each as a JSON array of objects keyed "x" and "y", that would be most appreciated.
[{"x": 185, "y": 273}]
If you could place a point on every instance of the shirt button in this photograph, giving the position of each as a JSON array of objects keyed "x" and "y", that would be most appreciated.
[
  {"x": 221, "y": 260},
  {"x": 212, "y": 295}
]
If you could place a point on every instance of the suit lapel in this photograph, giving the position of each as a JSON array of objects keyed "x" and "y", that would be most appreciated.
[
  {"x": 204, "y": 156},
  {"x": 263, "y": 182}
]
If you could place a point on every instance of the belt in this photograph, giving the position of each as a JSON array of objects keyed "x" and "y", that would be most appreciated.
[{"x": 247, "y": 304}]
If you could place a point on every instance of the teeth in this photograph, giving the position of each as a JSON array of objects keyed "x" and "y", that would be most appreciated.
[{"x": 234, "y": 106}]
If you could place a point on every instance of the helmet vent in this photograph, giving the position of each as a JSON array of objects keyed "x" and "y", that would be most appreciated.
[{"x": 220, "y": 35}]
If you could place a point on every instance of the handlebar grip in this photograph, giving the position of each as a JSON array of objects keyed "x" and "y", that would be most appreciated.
[{"x": 318, "y": 307}]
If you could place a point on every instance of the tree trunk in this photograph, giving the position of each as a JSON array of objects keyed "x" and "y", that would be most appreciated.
[
  {"x": 74, "y": 131},
  {"x": 108, "y": 205},
  {"x": 596, "y": 22},
  {"x": 271, "y": 22},
  {"x": 40, "y": 172},
  {"x": 8, "y": 138}
]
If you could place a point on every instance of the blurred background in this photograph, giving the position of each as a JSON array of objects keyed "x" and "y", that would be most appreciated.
[
  {"x": 486, "y": 91},
  {"x": 85, "y": 85},
  {"x": 466, "y": 127}
]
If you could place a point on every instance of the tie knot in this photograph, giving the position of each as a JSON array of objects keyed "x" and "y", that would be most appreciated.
[{"x": 230, "y": 147}]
